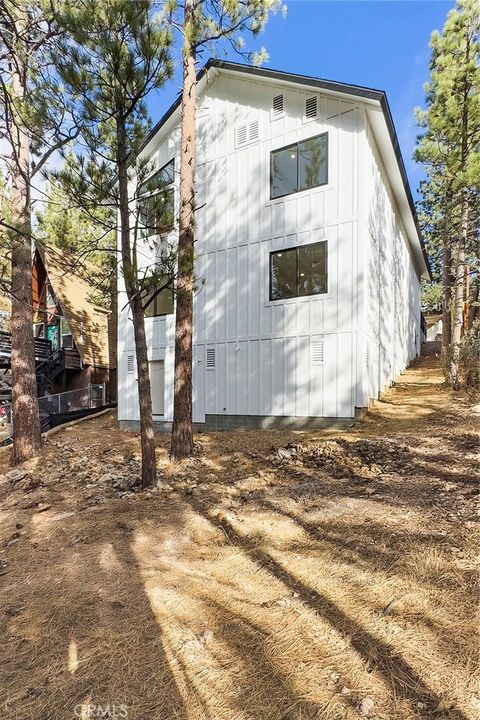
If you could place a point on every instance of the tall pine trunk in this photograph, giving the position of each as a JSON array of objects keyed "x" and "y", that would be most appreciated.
[
  {"x": 26, "y": 421},
  {"x": 459, "y": 295},
  {"x": 447, "y": 297},
  {"x": 182, "y": 430},
  {"x": 130, "y": 274},
  {"x": 461, "y": 245}
]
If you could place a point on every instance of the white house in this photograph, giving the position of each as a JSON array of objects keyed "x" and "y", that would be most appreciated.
[{"x": 307, "y": 246}]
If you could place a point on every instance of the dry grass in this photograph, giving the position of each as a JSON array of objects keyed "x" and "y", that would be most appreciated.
[{"x": 257, "y": 589}]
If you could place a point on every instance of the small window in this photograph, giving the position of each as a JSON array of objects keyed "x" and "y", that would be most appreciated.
[
  {"x": 156, "y": 303},
  {"x": 156, "y": 202},
  {"x": 298, "y": 272},
  {"x": 300, "y": 166},
  {"x": 51, "y": 299}
]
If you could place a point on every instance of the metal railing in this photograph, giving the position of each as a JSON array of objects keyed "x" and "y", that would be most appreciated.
[
  {"x": 92, "y": 396},
  {"x": 43, "y": 347}
]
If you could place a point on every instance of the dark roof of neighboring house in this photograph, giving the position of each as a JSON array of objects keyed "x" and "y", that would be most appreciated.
[{"x": 319, "y": 84}]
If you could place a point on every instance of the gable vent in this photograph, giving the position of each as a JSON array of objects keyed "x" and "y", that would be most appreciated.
[
  {"x": 277, "y": 106},
  {"x": 130, "y": 363},
  {"x": 210, "y": 358},
  {"x": 247, "y": 133},
  {"x": 253, "y": 131},
  {"x": 311, "y": 107},
  {"x": 317, "y": 351},
  {"x": 241, "y": 135}
]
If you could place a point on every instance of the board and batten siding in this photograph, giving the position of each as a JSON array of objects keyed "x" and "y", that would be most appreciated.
[
  {"x": 301, "y": 357},
  {"x": 393, "y": 285}
]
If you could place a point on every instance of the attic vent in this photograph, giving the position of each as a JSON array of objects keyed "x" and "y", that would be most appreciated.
[
  {"x": 129, "y": 363},
  {"x": 253, "y": 131},
  {"x": 247, "y": 133},
  {"x": 311, "y": 107},
  {"x": 317, "y": 351},
  {"x": 368, "y": 357},
  {"x": 277, "y": 106},
  {"x": 241, "y": 135},
  {"x": 210, "y": 358}
]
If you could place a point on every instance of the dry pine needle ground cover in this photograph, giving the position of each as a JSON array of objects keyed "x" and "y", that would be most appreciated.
[{"x": 275, "y": 575}]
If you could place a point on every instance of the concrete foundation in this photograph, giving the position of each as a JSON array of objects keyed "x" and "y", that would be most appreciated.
[{"x": 225, "y": 423}]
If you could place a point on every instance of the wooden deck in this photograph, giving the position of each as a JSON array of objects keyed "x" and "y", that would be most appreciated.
[{"x": 43, "y": 349}]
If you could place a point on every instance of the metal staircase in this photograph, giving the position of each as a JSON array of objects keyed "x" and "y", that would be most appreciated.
[{"x": 49, "y": 365}]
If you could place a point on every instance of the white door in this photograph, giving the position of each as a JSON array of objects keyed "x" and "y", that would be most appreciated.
[{"x": 157, "y": 383}]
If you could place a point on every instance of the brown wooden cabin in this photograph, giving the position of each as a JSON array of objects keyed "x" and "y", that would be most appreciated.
[{"x": 82, "y": 334}]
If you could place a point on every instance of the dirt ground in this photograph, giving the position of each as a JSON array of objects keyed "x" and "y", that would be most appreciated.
[{"x": 273, "y": 576}]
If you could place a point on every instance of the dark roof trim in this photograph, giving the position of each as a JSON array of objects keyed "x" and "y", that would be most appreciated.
[
  {"x": 319, "y": 84},
  {"x": 406, "y": 185}
]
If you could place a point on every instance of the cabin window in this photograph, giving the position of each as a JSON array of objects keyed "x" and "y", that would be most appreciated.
[
  {"x": 300, "y": 166},
  {"x": 158, "y": 304},
  {"x": 156, "y": 202},
  {"x": 51, "y": 299},
  {"x": 67, "y": 337},
  {"x": 299, "y": 271}
]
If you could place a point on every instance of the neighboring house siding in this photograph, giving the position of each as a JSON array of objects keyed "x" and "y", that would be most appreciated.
[{"x": 310, "y": 357}]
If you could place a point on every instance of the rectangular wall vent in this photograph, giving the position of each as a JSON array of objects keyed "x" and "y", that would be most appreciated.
[
  {"x": 130, "y": 363},
  {"x": 277, "y": 106},
  {"x": 241, "y": 135},
  {"x": 311, "y": 107},
  {"x": 247, "y": 133},
  {"x": 253, "y": 131},
  {"x": 210, "y": 358},
  {"x": 317, "y": 351}
]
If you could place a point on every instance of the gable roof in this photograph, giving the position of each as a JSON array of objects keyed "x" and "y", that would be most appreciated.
[
  {"x": 382, "y": 126},
  {"x": 91, "y": 325}
]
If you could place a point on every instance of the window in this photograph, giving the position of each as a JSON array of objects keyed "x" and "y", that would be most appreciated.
[
  {"x": 67, "y": 337},
  {"x": 298, "y": 272},
  {"x": 300, "y": 166},
  {"x": 158, "y": 304},
  {"x": 51, "y": 299},
  {"x": 156, "y": 202}
]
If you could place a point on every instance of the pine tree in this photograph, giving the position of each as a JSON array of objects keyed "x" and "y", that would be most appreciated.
[
  {"x": 204, "y": 23},
  {"x": 80, "y": 235},
  {"x": 450, "y": 149},
  {"x": 35, "y": 122},
  {"x": 116, "y": 53}
]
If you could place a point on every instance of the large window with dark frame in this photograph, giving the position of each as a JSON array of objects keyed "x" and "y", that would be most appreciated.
[
  {"x": 299, "y": 271},
  {"x": 156, "y": 202},
  {"x": 300, "y": 166},
  {"x": 159, "y": 303}
]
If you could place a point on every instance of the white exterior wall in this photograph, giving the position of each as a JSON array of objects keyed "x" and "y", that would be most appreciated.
[
  {"x": 393, "y": 335},
  {"x": 263, "y": 349}
]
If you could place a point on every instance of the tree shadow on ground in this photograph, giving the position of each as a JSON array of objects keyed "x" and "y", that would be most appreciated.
[
  {"x": 403, "y": 681},
  {"x": 80, "y": 631}
]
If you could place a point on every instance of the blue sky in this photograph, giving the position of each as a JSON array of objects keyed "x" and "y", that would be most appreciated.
[{"x": 380, "y": 43}]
